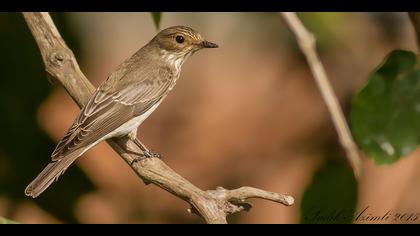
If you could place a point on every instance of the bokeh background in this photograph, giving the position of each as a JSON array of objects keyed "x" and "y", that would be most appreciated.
[{"x": 246, "y": 114}]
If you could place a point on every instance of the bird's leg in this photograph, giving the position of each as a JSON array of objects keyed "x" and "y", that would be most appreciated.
[
  {"x": 146, "y": 152},
  {"x": 133, "y": 136}
]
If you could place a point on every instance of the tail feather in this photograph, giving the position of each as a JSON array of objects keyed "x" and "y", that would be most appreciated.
[{"x": 50, "y": 173}]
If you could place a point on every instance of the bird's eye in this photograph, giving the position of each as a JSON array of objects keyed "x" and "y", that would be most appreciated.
[{"x": 179, "y": 39}]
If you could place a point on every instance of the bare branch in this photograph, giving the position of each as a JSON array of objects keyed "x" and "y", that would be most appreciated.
[
  {"x": 306, "y": 41},
  {"x": 244, "y": 193},
  {"x": 61, "y": 64},
  {"x": 415, "y": 20}
]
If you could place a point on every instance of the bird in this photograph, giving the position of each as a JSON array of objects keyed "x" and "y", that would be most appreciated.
[{"x": 124, "y": 100}]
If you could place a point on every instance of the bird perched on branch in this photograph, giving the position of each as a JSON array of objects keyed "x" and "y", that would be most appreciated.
[{"x": 123, "y": 101}]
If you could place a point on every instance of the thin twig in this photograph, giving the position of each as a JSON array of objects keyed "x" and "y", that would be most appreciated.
[
  {"x": 62, "y": 66},
  {"x": 244, "y": 193},
  {"x": 306, "y": 41},
  {"x": 415, "y": 20}
]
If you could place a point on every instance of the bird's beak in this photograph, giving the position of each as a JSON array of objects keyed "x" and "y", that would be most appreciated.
[{"x": 207, "y": 44}]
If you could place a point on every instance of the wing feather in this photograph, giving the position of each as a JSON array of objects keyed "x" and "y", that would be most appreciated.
[{"x": 107, "y": 109}]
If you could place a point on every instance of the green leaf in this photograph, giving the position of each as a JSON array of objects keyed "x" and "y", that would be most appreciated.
[
  {"x": 385, "y": 116},
  {"x": 331, "y": 196},
  {"x": 156, "y": 18}
]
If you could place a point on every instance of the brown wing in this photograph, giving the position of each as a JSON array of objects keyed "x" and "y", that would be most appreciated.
[{"x": 109, "y": 108}]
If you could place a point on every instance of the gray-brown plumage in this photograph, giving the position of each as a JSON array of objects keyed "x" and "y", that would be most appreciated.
[{"x": 122, "y": 102}]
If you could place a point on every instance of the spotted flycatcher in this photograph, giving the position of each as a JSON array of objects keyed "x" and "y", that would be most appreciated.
[{"x": 123, "y": 101}]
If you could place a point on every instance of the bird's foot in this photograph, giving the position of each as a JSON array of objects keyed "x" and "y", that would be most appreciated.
[
  {"x": 146, "y": 154},
  {"x": 150, "y": 154}
]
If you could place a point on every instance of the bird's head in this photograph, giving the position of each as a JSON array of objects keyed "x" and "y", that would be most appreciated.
[{"x": 181, "y": 41}]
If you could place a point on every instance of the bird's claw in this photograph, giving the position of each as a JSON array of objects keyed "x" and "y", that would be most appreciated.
[
  {"x": 150, "y": 154},
  {"x": 146, "y": 154}
]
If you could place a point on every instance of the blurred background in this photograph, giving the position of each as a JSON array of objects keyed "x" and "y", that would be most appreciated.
[{"x": 246, "y": 114}]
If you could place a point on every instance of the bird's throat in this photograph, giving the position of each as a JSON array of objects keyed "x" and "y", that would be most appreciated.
[{"x": 174, "y": 59}]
